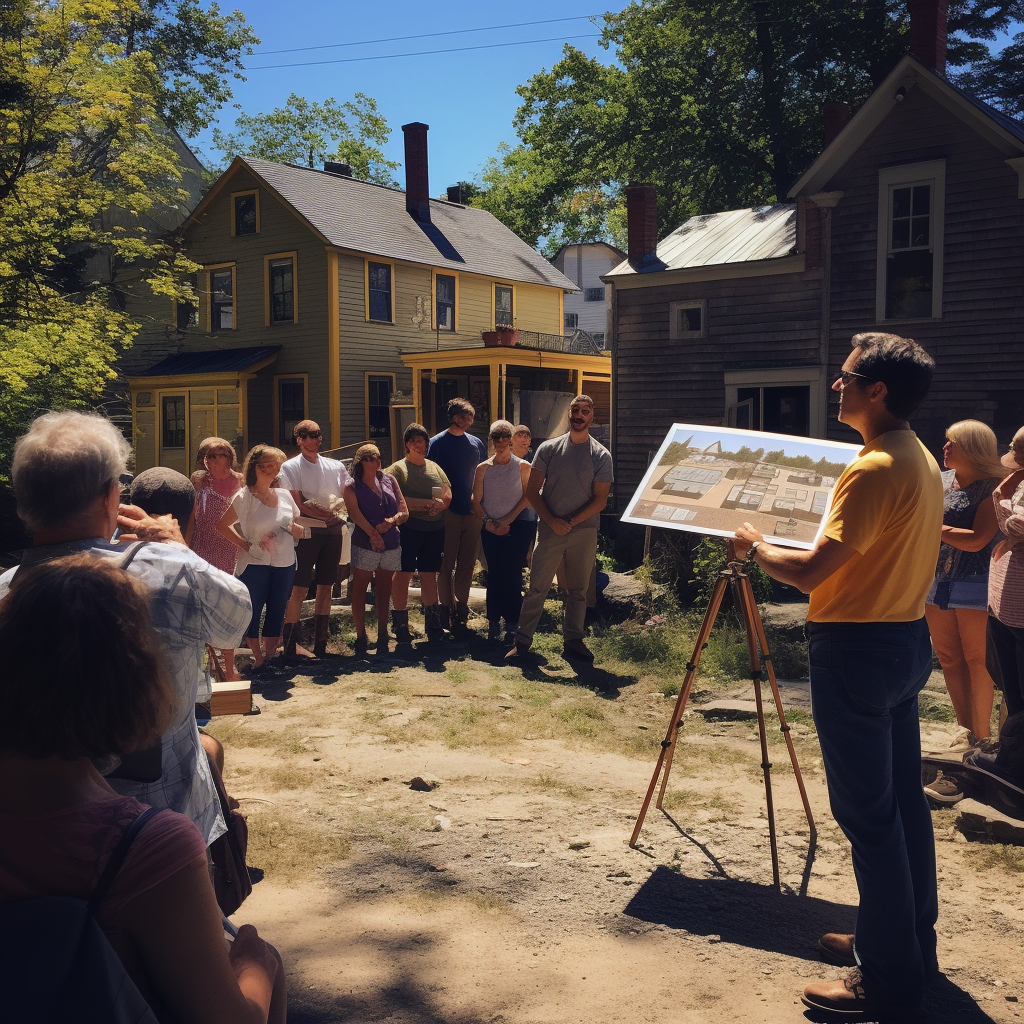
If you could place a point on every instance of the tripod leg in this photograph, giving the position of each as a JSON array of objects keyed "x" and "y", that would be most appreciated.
[
  {"x": 672, "y": 734},
  {"x": 762, "y": 639},
  {"x": 744, "y": 595}
]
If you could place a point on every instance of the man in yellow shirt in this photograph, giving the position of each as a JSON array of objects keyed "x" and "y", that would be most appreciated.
[{"x": 870, "y": 655}]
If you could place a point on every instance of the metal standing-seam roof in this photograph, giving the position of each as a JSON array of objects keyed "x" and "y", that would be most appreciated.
[
  {"x": 735, "y": 236},
  {"x": 225, "y": 360},
  {"x": 370, "y": 218}
]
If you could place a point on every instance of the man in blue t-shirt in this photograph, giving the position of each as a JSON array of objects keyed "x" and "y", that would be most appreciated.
[{"x": 458, "y": 453}]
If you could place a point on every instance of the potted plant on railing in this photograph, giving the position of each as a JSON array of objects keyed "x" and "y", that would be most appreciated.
[{"x": 503, "y": 334}]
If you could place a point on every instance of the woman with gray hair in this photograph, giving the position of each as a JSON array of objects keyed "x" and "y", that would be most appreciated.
[{"x": 499, "y": 495}]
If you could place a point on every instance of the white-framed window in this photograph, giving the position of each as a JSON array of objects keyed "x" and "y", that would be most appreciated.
[
  {"x": 687, "y": 319},
  {"x": 911, "y": 213},
  {"x": 783, "y": 400},
  {"x": 504, "y": 305},
  {"x": 572, "y": 321},
  {"x": 593, "y": 294}
]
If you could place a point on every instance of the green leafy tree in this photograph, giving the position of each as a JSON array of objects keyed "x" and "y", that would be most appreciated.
[
  {"x": 717, "y": 102},
  {"x": 85, "y": 158},
  {"x": 304, "y": 133}
]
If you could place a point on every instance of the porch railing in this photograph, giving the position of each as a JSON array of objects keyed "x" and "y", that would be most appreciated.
[{"x": 578, "y": 343}]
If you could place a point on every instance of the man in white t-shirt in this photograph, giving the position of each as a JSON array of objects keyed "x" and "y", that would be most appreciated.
[{"x": 316, "y": 484}]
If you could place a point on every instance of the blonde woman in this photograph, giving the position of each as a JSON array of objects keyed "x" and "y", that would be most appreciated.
[
  {"x": 957, "y": 604},
  {"x": 261, "y": 524}
]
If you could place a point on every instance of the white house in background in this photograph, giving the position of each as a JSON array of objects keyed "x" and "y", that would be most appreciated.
[{"x": 584, "y": 263}]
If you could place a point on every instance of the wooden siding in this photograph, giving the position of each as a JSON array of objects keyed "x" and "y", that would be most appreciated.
[
  {"x": 977, "y": 343},
  {"x": 303, "y": 344},
  {"x": 751, "y": 322}
]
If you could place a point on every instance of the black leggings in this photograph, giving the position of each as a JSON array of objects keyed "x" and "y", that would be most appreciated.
[{"x": 505, "y": 558}]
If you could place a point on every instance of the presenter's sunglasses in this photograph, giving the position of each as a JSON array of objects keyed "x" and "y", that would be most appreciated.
[
  {"x": 847, "y": 375},
  {"x": 303, "y": 434}
]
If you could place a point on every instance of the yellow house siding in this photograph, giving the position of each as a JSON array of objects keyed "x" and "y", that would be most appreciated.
[
  {"x": 304, "y": 344},
  {"x": 538, "y": 309}
]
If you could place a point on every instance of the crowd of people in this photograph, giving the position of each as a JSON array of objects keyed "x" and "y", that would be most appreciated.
[{"x": 110, "y": 614}]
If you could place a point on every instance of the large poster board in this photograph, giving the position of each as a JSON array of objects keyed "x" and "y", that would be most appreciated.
[{"x": 710, "y": 480}]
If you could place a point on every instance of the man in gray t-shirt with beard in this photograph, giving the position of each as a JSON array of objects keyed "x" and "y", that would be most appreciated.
[{"x": 570, "y": 478}]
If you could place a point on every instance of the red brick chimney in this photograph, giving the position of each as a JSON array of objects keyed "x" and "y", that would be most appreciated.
[
  {"x": 835, "y": 117},
  {"x": 641, "y": 222},
  {"x": 417, "y": 181},
  {"x": 928, "y": 32}
]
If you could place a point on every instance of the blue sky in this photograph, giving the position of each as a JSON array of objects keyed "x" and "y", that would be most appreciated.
[{"x": 467, "y": 96}]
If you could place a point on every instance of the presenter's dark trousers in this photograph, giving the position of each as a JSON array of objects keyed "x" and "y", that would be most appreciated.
[{"x": 865, "y": 678}]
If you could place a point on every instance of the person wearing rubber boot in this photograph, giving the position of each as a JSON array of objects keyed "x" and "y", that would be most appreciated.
[
  {"x": 458, "y": 453},
  {"x": 868, "y": 576},
  {"x": 427, "y": 495},
  {"x": 317, "y": 485},
  {"x": 570, "y": 479}
]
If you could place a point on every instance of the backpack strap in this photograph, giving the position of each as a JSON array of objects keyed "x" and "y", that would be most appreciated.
[
  {"x": 118, "y": 856},
  {"x": 133, "y": 550}
]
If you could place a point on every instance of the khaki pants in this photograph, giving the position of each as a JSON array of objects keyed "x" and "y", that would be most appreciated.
[
  {"x": 461, "y": 549},
  {"x": 579, "y": 547}
]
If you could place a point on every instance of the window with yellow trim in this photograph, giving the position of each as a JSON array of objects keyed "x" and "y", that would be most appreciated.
[
  {"x": 379, "y": 284},
  {"x": 444, "y": 298},
  {"x": 222, "y": 299},
  {"x": 282, "y": 291},
  {"x": 503, "y": 304}
]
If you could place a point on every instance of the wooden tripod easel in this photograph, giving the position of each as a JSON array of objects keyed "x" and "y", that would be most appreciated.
[{"x": 757, "y": 644}]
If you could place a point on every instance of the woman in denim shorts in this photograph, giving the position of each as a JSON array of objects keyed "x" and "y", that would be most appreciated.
[
  {"x": 957, "y": 604},
  {"x": 376, "y": 506}
]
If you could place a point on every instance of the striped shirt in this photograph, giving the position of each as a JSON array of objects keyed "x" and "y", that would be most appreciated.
[
  {"x": 193, "y": 604},
  {"x": 1006, "y": 574}
]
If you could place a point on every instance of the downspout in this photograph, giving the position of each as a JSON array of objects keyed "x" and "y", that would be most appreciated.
[{"x": 826, "y": 202}]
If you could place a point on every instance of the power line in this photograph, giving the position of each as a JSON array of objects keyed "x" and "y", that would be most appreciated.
[
  {"x": 417, "y": 53},
  {"x": 427, "y": 35}
]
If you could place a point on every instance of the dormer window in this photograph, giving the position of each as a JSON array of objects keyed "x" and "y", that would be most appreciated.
[{"x": 245, "y": 213}]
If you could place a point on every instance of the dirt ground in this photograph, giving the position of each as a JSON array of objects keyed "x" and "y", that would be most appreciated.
[{"x": 508, "y": 892}]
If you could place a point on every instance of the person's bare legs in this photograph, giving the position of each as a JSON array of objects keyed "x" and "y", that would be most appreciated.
[
  {"x": 256, "y": 647},
  {"x": 214, "y": 748},
  {"x": 942, "y": 625},
  {"x": 972, "y": 624},
  {"x": 230, "y": 671},
  {"x": 428, "y": 589},
  {"x": 294, "y": 610},
  {"x": 323, "y": 599},
  {"x": 382, "y": 582},
  {"x": 360, "y": 581},
  {"x": 270, "y": 646},
  {"x": 400, "y": 591}
]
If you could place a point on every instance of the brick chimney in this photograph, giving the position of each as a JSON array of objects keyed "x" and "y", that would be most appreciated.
[
  {"x": 835, "y": 117},
  {"x": 641, "y": 222},
  {"x": 928, "y": 32},
  {"x": 417, "y": 183}
]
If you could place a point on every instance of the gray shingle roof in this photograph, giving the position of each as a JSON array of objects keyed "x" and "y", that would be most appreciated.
[
  {"x": 735, "y": 236},
  {"x": 224, "y": 360},
  {"x": 354, "y": 214}
]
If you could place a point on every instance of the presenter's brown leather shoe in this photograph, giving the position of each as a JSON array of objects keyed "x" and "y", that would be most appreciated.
[
  {"x": 846, "y": 998},
  {"x": 837, "y": 948}
]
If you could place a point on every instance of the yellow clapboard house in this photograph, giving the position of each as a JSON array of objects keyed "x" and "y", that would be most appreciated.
[{"x": 363, "y": 307}]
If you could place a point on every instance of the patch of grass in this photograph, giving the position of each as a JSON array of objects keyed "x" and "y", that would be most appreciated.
[
  {"x": 935, "y": 711},
  {"x": 456, "y": 674},
  {"x": 997, "y": 856},
  {"x": 284, "y": 849},
  {"x": 581, "y": 719},
  {"x": 548, "y": 783},
  {"x": 719, "y": 806},
  {"x": 385, "y": 689}
]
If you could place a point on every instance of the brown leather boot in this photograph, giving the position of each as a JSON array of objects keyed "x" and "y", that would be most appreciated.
[{"x": 323, "y": 629}]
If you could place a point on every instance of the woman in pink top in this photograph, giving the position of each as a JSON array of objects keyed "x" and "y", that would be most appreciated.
[
  {"x": 216, "y": 481},
  {"x": 72, "y": 700}
]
